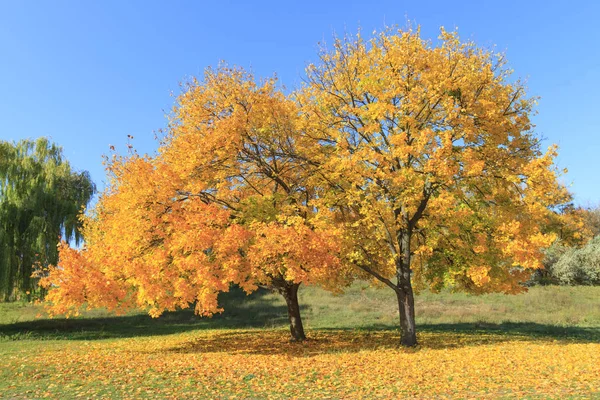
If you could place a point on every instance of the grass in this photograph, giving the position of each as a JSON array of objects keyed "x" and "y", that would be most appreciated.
[
  {"x": 553, "y": 310},
  {"x": 471, "y": 346}
]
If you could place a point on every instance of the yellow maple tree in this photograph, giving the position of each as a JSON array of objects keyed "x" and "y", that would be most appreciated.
[{"x": 430, "y": 156}]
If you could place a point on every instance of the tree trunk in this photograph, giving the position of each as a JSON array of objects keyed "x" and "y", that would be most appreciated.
[
  {"x": 406, "y": 299},
  {"x": 290, "y": 293},
  {"x": 406, "y": 306}
]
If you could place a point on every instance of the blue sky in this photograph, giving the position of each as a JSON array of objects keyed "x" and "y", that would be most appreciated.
[{"x": 89, "y": 73}]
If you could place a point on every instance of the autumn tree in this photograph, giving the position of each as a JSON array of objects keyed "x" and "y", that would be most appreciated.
[
  {"x": 576, "y": 228},
  {"x": 591, "y": 216},
  {"x": 225, "y": 201},
  {"x": 40, "y": 199},
  {"x": 430, "y": 157}
]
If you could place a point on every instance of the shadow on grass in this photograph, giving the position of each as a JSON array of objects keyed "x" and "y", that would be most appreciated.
[
  {"x": 241, "y": 311},
  {"x": 261, "y": 311},
  {"x": 511, "y": 330},
  {"x": 380, "y": 337}
]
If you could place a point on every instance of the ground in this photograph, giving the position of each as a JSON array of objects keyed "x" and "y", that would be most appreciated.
[{"x": 542, "y": 344}]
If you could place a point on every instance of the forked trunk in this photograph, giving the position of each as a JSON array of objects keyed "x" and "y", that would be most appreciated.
[{"x": 290, "y": 293}]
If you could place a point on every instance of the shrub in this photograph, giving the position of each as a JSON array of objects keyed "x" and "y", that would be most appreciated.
[{"x": 578, "y": 266}]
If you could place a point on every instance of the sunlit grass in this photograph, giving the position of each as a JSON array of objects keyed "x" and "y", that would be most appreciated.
[{"x": 543, "y": 344}]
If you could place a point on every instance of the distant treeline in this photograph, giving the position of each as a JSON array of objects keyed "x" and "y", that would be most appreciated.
[{"x": 571, "y": 265}]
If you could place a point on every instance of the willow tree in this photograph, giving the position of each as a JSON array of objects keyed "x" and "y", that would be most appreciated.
[
  {"x": 431, "y": 158},
  {"x": 40, "y": 200},
  {"x": 224, "y": 202}
]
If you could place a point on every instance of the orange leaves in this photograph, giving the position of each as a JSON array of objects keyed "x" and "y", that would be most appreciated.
[
  {"x": 227, "y": 200},
  {"x": 297, "y": 253},
  {"x": 77, "y": 281},
  {"x": 479, "y": 275},
  {"x": 332, "y": 364}
]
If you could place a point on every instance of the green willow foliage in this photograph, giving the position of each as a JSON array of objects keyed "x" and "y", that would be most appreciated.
[{"x": 40, "y": 200}]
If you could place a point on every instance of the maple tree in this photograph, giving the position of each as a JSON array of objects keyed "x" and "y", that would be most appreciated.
[
  {"x": 223, "y": 202},
  {"x": 429, "y": 155}
]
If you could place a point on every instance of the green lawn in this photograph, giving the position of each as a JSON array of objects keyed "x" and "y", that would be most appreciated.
[{"x": 550, "y": 310}]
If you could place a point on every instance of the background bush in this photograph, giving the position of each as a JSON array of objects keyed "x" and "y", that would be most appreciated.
[{"x": 579, "y": 266}]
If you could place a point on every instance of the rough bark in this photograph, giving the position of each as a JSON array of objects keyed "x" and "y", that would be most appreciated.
[
  {"x": 289, "y": 291},
  {"x": 406, "y": 306},
  {"x": 406, "y": 299}
]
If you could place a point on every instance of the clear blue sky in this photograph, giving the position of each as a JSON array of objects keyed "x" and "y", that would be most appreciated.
[{"x": 88, "y": 73}]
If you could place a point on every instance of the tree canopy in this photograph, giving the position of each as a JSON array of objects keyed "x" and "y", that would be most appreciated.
[
  {"x": 223, "y": 202},
  {"x": 41, "y": 198},
  {"x": 434, "y": 164}
]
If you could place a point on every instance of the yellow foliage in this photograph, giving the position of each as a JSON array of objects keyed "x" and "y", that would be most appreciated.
[{"x": 433, "y": 159}]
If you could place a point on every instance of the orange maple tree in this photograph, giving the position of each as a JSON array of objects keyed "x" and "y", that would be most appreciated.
[
  {"x": 432, "y": 160},
  {"x": 223, "y": 202}
]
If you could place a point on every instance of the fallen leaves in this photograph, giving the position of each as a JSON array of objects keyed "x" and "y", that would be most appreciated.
[{"x": 332, "y": 364}]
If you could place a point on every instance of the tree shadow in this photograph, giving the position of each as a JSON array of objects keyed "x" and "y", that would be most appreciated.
[
  {"x": 257, "y": 310},
  {"x": 382, "y": 337},
  {"x": 263, "y": 310},
  {"x": 520, "y": 330}
]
